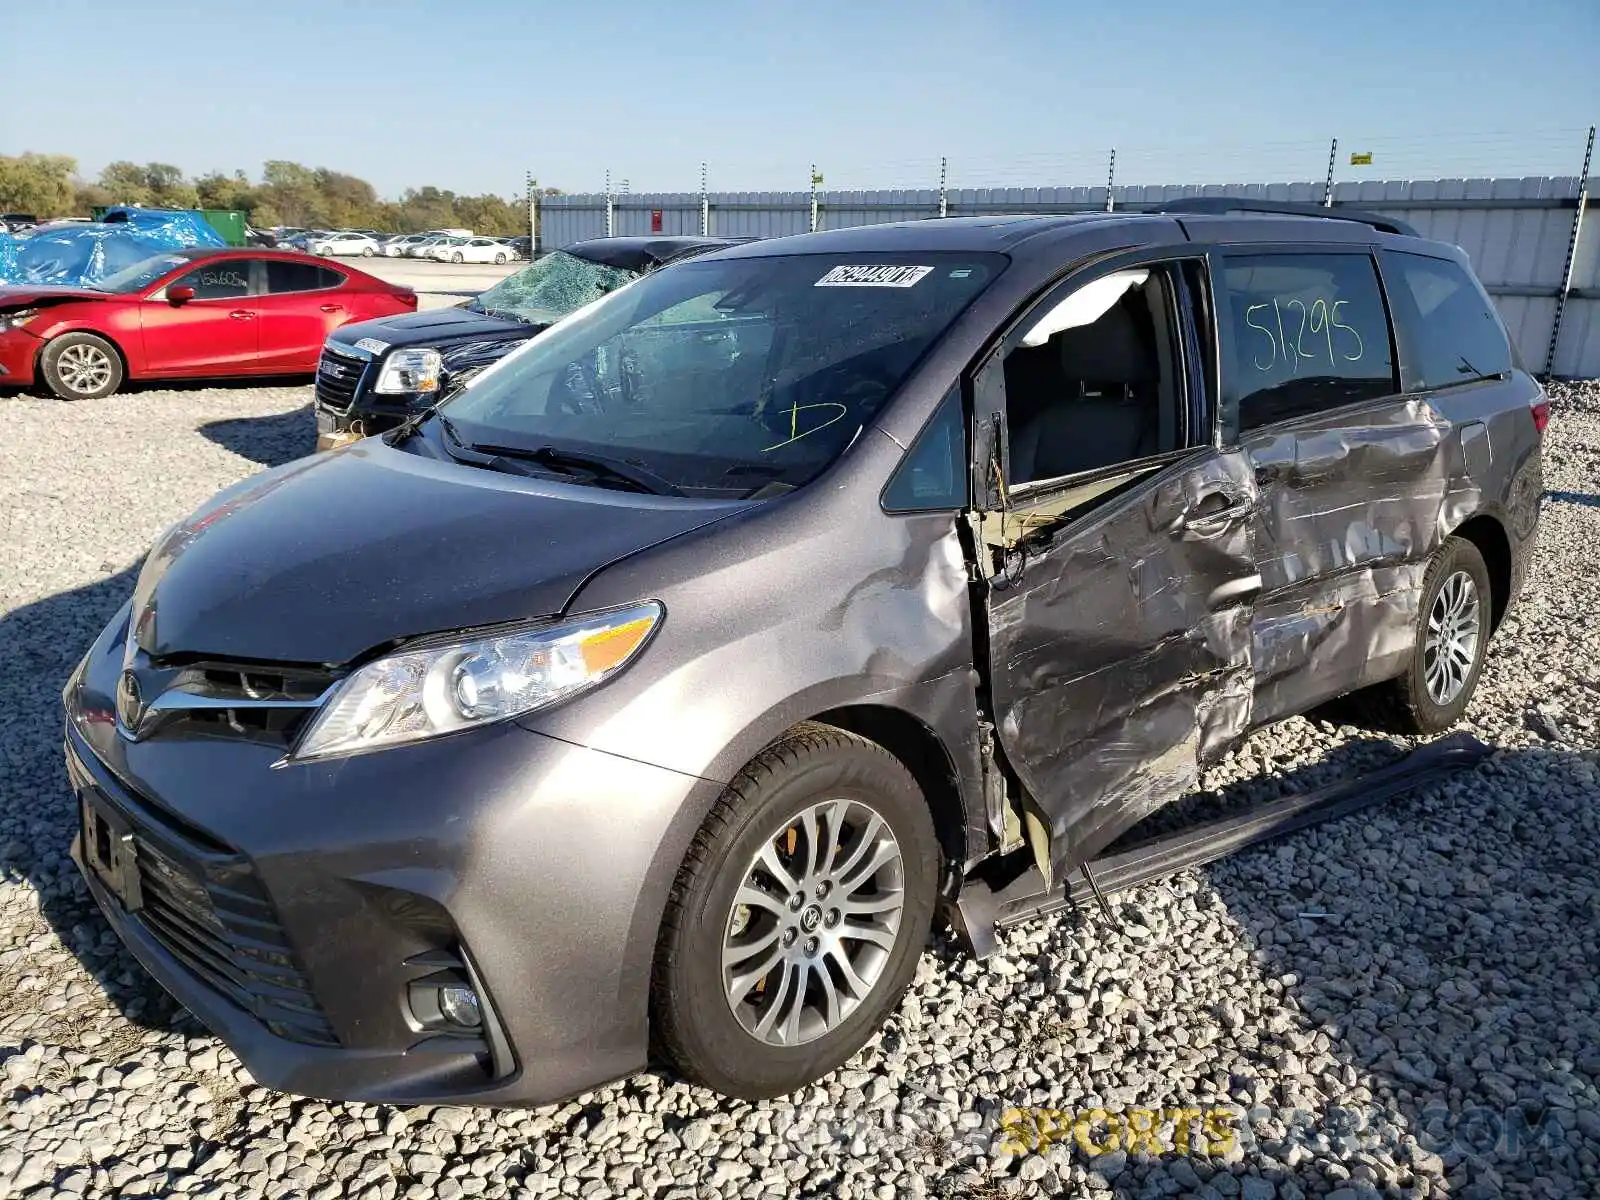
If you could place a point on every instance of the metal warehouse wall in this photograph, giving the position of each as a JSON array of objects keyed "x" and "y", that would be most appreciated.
[{"x": 1516, "y": 230}]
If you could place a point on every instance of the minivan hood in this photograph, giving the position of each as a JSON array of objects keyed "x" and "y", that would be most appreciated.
[{"x": 331, "y": 556}]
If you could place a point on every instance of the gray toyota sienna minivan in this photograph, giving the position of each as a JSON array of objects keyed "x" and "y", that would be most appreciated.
[{"x": 657, "y": 689}]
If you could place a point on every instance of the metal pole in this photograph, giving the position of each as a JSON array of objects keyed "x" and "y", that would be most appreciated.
[
  {"x": 1327, "y": 188},
  {"x": 1572, "y": 257},
  {"x": 944, "y": 202},
  {"x": 1111, "y": 180},
  {"x": 533, "y": 217},
  {"x": 610, "y": 206},
  {"x": 705, "y": 205},
  {"x": 814, "y": 197}
]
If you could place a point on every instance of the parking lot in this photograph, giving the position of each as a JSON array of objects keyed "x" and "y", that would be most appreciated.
[
  {"x": 1384, "y": 1005},
  {"x": 437, "y": 284}
]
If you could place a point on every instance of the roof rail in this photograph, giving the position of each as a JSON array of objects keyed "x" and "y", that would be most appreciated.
[{"x": 1223, "y": 205}]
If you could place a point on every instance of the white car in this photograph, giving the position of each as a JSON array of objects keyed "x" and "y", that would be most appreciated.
[
  {"x": 423, "y": 248},
  {"x": 470, "y": 250},
  {"x": 397, "y": 246},
  {"x": 346, "y": 244}
]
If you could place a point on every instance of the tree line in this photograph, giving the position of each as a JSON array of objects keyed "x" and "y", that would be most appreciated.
[{"x": 49, "y": 185}]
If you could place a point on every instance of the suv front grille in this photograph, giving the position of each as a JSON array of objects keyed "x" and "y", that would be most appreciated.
[{"x": 338, "y": 379}]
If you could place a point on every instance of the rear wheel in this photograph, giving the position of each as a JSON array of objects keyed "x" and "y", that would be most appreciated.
[
  {"x": 367, "y": 252},
  {"x": 798, "y": 916},
  {"x": 1452, "y": 638},
  {"x": 81, "y": 366}
]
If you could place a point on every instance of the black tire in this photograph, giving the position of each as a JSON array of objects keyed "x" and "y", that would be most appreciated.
[
  {"x": 367, "y": 252},
  {"x": 693, "y": 1019},
  {"x": 81, "y": 366},
  {"x": 1405, "y": 704},
  {"x": 499, "y": 260},
  {"x": 456, "y": 257}
]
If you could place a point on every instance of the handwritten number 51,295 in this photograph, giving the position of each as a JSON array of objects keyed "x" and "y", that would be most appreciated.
[{"x": 1319, "y": 320}]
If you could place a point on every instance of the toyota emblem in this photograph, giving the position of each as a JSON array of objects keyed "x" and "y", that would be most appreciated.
[{"x": 130, "y": 704}]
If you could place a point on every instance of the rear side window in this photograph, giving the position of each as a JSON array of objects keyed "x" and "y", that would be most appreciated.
[
  {"x": 299, "y": 277},
  {"x": 1448, "y": 329},
  {"x": 1310, "y": 332}
]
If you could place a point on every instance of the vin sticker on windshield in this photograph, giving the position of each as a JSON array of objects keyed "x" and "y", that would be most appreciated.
[{"x": 868, "y": 275}]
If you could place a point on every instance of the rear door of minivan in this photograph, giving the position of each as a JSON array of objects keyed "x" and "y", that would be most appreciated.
[{"x": 1351, "y": 471}]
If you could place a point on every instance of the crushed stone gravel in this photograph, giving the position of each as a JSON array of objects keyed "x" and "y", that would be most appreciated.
[{"x": 1401, "y": 1003}]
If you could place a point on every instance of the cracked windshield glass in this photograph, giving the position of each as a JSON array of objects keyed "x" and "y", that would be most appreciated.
[{"x": 558, "y": 284}]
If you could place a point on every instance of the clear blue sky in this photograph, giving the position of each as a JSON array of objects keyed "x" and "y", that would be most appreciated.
[{"x": 466, "y": 94}]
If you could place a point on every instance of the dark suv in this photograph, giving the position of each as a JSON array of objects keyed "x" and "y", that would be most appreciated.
[
  {"x": 374, "y": 374},
  {"x": 657, "y": 687}
]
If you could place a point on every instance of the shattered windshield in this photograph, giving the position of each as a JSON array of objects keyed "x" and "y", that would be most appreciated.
[
  {"x": 148, "y": 270},
  {"x": 724, "y": 377},
  {"x": 546, "y": 291}
]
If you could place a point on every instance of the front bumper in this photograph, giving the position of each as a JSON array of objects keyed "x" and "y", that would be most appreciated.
[
  {"x": 19, "y": 350},
  {"x": 541, "y": 864}
]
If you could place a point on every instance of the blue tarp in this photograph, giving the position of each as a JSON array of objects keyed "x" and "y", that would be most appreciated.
[{"x": 79, "y": 253}]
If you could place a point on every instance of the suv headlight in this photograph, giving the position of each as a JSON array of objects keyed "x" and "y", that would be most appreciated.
[
  {"x": 440, "y": 688},
  {"x": 410, "y": 371}
]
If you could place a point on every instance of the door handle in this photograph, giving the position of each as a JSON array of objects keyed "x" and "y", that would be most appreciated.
[
  {"x": 333, "y": 308},
  {"x": 241, "y": 314},
  {"x": 1218, "y": 521}
]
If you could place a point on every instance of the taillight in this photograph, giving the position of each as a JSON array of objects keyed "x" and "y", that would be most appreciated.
[
  {"x": 409, "y": 299},
  {"x": 1541, "y": 413}
]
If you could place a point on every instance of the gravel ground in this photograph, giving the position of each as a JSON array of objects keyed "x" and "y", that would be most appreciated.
[{"x": 1406, "y": 1002}]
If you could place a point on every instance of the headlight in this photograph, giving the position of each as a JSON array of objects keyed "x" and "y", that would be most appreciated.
[
  {"x": 16, "y": 320},
  {"x": 418, "y": 694},
  {"x": 410, "y": 371}
]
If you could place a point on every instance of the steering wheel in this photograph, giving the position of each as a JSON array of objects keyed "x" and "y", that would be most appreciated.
[{"x": 568, "y": 401}]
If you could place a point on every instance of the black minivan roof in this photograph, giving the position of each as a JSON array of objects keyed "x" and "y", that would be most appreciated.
[{"x": 1180, "y": 220}]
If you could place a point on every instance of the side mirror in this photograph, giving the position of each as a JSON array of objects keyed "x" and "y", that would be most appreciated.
[{"x": 181, "y": 294}]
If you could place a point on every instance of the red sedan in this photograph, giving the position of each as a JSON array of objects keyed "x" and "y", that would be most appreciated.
[{"x": 202, "y": 313}]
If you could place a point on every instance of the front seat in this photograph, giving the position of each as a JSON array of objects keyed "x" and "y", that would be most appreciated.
[{"x": 1088, "y": 398}]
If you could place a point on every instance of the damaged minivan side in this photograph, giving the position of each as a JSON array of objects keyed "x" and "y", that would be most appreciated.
[{"x": 655, "y": 691}]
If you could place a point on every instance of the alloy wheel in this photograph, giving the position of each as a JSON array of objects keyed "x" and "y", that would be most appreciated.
[
  {"x": 1451, "y": 646},
  {"x": 813, "y": 923},
  {"x": 84, "y": 368}
]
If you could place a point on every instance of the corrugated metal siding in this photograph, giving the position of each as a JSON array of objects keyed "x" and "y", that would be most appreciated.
[{"x": 1516, "y": 231}]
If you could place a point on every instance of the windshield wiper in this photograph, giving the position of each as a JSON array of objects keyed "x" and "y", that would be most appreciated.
[
  {"x": 567, "y": 461},
  {"x": 510, "y": 459}
]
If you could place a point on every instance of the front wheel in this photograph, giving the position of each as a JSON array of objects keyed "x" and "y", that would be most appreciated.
[
  {"x": 456, "y": 257},
  {"x": 81, "y": 366},
  {"x": 499, "y": 260},
  {"x": 798, "y": 916}
]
